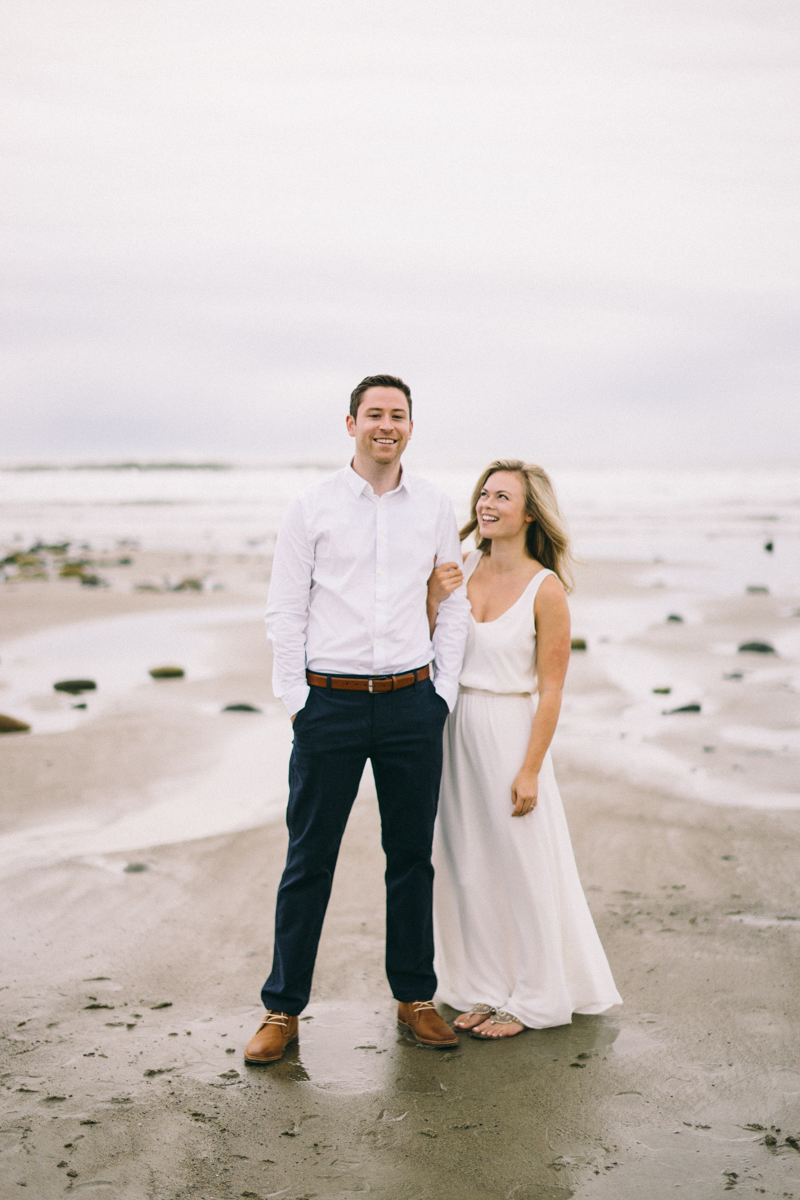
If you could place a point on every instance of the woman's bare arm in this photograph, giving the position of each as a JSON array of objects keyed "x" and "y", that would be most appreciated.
[{"x": 551, "y": 614}]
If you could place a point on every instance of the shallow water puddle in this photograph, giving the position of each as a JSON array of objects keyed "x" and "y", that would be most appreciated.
[
  {"x": 116, "y": 652},
  {"x": 244, "y": 788},
  {"x": 596, "y": 745}
]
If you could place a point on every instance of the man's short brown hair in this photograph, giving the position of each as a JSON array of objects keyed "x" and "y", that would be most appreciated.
[{"x": 371, "y": 381}]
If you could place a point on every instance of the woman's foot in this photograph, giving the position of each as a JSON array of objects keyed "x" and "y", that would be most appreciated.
[
  {"x": 500, "y": 1024},
  {"x": 476, "y": 1016}
]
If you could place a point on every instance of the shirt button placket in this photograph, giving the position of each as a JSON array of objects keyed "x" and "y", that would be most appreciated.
[{"x": 381, "y": 584}]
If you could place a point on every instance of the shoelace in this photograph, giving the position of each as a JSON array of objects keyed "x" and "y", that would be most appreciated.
[
  {"x": 420, "y": 1004},
  {"x": 275, "y": 1018}
]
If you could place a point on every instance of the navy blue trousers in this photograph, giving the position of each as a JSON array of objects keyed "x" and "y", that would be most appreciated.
[{"x": 334, "y": 735}]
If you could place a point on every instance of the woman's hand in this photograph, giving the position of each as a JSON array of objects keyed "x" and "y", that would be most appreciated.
[
  {"x": 443, "y": 581},
  {"x": 524, "y": 791}
]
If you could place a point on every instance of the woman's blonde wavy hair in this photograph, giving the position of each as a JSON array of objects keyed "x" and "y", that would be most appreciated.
[{"x": 547, "y": 539}]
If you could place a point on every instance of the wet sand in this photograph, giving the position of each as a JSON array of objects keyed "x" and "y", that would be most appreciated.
[{"x": 128, "y": 995}]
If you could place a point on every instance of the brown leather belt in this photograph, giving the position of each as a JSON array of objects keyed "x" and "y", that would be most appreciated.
[{"x": 361, "y": 683}]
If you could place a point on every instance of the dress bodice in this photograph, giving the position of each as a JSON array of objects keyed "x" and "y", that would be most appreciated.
[{"x": 501, "y": 654}]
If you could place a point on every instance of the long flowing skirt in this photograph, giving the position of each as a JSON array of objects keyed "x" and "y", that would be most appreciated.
[{"x": 511, "y": 922}]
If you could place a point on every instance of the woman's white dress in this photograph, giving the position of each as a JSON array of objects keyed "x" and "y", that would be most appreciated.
[{"x": 512, "y": 926}]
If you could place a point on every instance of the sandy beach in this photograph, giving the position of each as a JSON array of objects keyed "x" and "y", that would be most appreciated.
[{"x": 140, "y": 850}]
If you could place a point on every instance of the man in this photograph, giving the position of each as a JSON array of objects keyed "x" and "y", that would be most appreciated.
[{"x": 347, "y": 622}]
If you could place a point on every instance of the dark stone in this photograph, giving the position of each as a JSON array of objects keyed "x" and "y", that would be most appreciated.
[
  {"x": 189, "y": 585},
  {"x": 92, "y": 581},
  {"x": 769, "y": 1140},
  {"x": 80, "y": 706},
  {"x": 163, "y": 1004},
  {"x": 756, "y": 648},
  {"x": 733, "y": 675},
  {"x": 578, "y": 644},
  {"x": 768, "y": 546},
  {"x": 757, "y": 589},
  {"x": 135, "y": 868},
  {"x": 22, "y": 559},
  {"x": 675, "y": 617},
  {"x": 241, "y": 708},
  {"x": 75, "y": 686},
  {"x": 692, "y": 708},
  {"x": 167, "y": 672},
  {"x": 12, "y": 725},
  {"x": 662, "y": 691}
]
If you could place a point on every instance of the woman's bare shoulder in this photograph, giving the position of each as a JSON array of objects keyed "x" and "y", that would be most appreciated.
[{"x": 550, "y": 595}]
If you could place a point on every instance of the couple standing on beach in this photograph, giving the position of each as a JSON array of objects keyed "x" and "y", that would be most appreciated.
[{"x": 356, "y": 619}]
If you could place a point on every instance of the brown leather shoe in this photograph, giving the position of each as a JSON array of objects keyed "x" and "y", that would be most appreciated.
[
  {"x": 422, "y": 1021},
  {"x": 271, "y": 1038}
]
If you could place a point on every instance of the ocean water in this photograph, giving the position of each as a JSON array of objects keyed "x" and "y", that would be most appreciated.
[{"x": 704, "y": 529}]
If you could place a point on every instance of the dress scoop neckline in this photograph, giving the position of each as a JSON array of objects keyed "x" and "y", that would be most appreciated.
[{"x": 511, "y": 607}]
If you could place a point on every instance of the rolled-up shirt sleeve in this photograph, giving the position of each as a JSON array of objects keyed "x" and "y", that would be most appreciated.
[
  {"x": 452, "y": 621},
  {"x": 287, "y": 608}
]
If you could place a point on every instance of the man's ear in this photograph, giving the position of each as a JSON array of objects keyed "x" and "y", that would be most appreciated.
[{"x": 351, "y": 425}]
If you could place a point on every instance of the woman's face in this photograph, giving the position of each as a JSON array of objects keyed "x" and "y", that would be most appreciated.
[{"x": 501, "y": 507}]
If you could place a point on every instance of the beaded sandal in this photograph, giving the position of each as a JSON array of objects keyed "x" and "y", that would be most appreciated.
[
  {"x": 477, "y": 1010},
  {"x": 498, "y": 1018}
]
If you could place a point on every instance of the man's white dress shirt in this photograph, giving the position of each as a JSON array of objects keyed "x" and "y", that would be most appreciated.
[{"x": 349, "y": 585}]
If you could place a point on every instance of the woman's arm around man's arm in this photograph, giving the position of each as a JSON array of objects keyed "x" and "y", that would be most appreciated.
[{"x": 452, "y": 620}]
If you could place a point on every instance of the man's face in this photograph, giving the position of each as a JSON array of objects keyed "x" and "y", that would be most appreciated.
[{"x": 382, "y": 425}]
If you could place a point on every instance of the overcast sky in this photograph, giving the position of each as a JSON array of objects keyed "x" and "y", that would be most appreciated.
[{"x": 570, "y": 225}]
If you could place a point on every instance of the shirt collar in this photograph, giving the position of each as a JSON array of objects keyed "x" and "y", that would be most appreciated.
[{"x": 358, "y": 485}]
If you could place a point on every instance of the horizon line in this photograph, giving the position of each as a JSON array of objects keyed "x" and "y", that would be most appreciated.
[{"x": 35, "y": 465}]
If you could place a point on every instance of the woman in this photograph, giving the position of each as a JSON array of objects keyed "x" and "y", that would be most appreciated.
[{"x": 516, "y": 946}]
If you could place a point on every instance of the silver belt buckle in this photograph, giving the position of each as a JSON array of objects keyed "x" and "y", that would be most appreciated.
[{"x": 369, "y": 685}]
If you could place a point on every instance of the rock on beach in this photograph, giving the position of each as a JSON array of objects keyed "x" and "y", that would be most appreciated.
[{"x": 12, "y": 725}]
